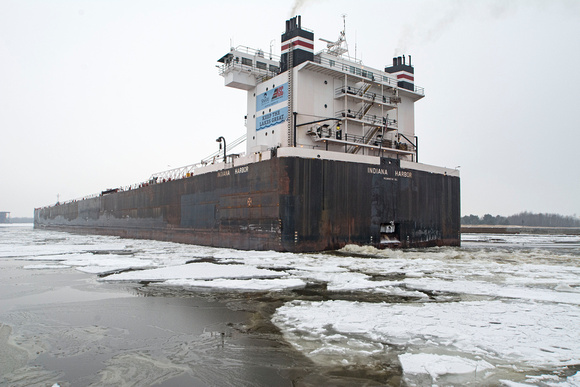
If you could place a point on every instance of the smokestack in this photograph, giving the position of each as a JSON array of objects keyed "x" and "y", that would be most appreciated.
[
  {"x": 403, "y": 72},
  {"x": 298, "y": 42}
]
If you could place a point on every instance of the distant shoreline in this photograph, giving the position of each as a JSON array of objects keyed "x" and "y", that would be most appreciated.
[
  {"x": 18, "y": 220},
  {"x": 488, "y": 229}
]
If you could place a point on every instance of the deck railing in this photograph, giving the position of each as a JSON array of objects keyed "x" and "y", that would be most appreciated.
[{"x": 358, "y": 69}]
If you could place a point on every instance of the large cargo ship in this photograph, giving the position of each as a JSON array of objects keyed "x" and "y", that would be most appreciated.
[{"x": 331, "y": 159}]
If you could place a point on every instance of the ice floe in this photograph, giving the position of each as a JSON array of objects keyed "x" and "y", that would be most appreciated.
[
  {"x": 437, "y": 365},
  {"x": 197, "y": 271}
]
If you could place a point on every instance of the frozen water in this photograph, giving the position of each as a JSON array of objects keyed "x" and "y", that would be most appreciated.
[
  {"x": 502, "y": 309},
  {"x": 196, "y": 271},
  {"x": 501, "y": 332},
  {"x": 436, "y": 365}
]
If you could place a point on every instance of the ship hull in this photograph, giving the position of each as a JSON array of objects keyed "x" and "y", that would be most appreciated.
[{"x": 291, "y": 204}]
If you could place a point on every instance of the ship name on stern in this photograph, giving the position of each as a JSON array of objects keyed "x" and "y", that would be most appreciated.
[
  {"x": 378, "y": 171},
  {"x": 241, "y": 170},
  {"x": 404, "y": 174}
]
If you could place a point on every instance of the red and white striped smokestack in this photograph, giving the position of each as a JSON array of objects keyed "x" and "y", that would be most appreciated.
[
  {"x": 403, "y": 71},
  {"x": 297, "y": 40}
]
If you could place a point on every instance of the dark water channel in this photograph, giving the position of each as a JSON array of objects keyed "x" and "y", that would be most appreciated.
[{"x": 61, "y": 326}]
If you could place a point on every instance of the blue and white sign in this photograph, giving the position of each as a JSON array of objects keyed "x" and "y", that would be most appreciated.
[
  {"x": 272, "y": 97},
  {"x": 274, "y": 118}
]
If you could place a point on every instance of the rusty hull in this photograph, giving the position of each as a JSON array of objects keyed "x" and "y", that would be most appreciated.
[{"x": 283, "y": 204}]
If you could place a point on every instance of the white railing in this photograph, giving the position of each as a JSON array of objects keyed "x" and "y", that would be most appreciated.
[
  {"x": 358, "y": 69},
  {"x": 171, "y": 174}
]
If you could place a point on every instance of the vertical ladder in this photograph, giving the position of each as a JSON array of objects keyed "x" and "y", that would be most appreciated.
[{"x": 290, "y": 96}]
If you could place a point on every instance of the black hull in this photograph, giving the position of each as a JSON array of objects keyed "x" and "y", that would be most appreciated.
[{"x": 283, "y": 204}]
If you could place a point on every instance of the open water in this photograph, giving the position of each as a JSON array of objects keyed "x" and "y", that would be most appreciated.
[{"x": 82, "y": 310}]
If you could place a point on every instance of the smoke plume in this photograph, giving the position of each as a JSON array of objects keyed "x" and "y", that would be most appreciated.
[
  {"x": 434, "y": 21},
  {"x": 296, "y": 6}
]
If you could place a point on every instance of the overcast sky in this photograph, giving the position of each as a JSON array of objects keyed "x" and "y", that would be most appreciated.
[{"x": 101, "y": 94}]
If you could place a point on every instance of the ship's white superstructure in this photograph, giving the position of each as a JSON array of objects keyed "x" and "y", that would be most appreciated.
[{"x": 324, "y": 101}]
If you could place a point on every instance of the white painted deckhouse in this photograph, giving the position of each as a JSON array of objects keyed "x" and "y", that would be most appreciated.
[{"x": 338, "y": 103}]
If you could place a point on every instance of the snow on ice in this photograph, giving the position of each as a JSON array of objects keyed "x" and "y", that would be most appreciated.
[{"x": 196, "y": 271}]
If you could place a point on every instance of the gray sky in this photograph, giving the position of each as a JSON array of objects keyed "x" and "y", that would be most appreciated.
[{"x": 101, "y": 94}]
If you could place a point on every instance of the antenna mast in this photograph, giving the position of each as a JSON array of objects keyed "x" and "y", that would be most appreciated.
[{"x": 339, "y": 47}]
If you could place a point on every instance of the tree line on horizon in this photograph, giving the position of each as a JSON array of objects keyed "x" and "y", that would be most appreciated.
[{"x": 523, "y": 219}]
